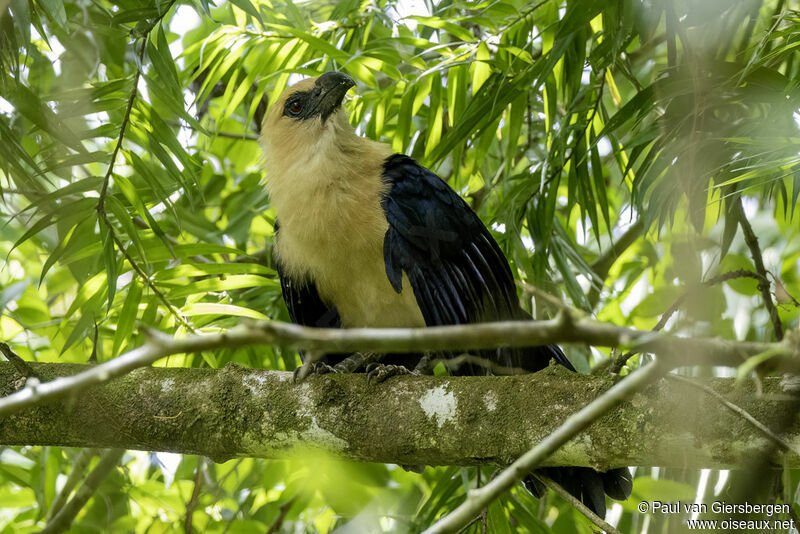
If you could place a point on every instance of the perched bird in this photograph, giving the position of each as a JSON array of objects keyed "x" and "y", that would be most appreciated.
[{"x": 368, "y": 238}]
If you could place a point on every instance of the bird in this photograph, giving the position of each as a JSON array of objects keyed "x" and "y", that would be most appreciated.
[{"x": 365, "y": 237}]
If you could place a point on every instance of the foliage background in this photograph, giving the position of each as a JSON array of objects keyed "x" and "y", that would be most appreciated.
[{"x": 130, "y": 194}]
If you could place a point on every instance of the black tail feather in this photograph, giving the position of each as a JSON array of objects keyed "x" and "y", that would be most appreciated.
[
  {"x": 618, "y": 483},
  {"x": 585, "y": 484}
]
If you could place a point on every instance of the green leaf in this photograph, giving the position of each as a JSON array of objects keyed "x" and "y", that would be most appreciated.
[
  {"x": 735, "y": 262},
  {"x": 55, "y": 9},
  {"x": 28, "y": 104},
  {"x": 481, "y": 68},
  {"x": 190, "y": 269},
  {"x": 124, "y": 218},
  {"x": 249, "y": 8},
  {"x": 208, "y": 308},
  {"x": 110, "y": 261},
  {"x": 222, "y": 284},
  {"x": 127, "y": 316},
  {"x": 66, "y": 215},
  {"x": 435, "y": 118}
]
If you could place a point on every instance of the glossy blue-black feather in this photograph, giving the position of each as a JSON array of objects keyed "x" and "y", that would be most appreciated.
[{"x": 455, "y": 268}]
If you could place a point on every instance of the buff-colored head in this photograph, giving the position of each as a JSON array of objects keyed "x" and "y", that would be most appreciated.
[{"x": 306, "y": 120}]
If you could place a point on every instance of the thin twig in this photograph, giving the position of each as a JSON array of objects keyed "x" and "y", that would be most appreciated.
[
  {"x": 19, "y": 364},
  {"x": 478, "y": 499},
  {"x": 79, "y": 466},
  {"x": 239, "y": 137},
  {"x": 101, "y": 201},
  {"x": 101, "y": 210},
  {"x": 755, "y": 251},
  {"x": 731, "y": 275},
  {"x": 782, "y": 443},
  {"x": 282, "y": 511},
  {"x": 578, "y": 505},
  {"x": 143, "y": 275},
  {"x": 191, "y": 506},
  {"x": 62, "y": 521},
  {"x": 619, "y": 362},
  {"x": 675, "y": 351}
]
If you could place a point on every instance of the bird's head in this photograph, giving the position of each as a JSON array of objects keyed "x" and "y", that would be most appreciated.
[{"x": 307, "y": 118}]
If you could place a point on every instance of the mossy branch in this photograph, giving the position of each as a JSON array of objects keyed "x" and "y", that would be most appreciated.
[
  {"x": 409, "y": 420},
  {"x": 673, "y": 351}
]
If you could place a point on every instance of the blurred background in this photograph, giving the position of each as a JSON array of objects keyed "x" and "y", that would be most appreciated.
[{"x": 618, "y": 149}]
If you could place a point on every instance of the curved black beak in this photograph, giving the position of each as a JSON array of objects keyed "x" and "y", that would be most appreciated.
[{"x": 331, "y": 88}]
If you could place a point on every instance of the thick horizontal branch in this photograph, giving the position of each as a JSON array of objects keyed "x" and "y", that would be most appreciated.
[
  {"x": 235, "y": 412},
  {"x": 673, "y": 351}
]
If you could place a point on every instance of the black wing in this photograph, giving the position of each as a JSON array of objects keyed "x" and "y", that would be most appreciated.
[{"x": 457, "y": 271}]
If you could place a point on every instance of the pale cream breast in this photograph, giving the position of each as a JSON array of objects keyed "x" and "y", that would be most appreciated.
[{"x": 343, "y": 256}]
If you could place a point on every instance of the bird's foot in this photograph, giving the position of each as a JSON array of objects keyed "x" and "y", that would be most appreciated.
[
  {"x": 315, "y": 368},
  {"x": 379, "y": 372},
  {"x": 356, "y": 361}
]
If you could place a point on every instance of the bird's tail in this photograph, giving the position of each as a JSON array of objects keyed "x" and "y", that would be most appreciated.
[{"x": 585, "y": 484}]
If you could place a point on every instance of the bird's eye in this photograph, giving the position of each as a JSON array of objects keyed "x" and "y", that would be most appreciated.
[{"x": 295, "y": 107}]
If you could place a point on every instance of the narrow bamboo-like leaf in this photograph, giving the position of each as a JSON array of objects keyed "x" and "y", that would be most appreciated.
[
  {"x": 66, "y": 214},
  {"x": 209, "y": 308},
  {"x": 497, "y": 520},
  {"x": 79, "y": 331},
  {"x": 190, "y": 269},
  {"x": 404, "y": 115},
  {"x": 450, "y": 27},
  {"x": 320, "y": 45},
  {"x": 435, "y": 118},
  {"x": 32, "y": 108},
  {"x": 481, "y": 69},
  {"x": 110, "y": 261},
  {"x": 221, "y": 284},
  {"x": 598, "y": 180},
  {"x": 249, "y": 8},
  {"x": 55, "y": 9},
  {"x": 124, "y": 218},
  {"x": 62, "y": 247},
  {"x": 568, "y": 276},
  {"x": 127, "y": 316},
  {"x": 46, "y": 202},
  {"x": 135, "y": 15}
]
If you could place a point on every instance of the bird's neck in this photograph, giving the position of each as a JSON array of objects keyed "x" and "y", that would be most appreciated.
[{"x": 335, "y": 189}]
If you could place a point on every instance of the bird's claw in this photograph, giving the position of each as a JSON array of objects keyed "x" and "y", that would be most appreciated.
[
  {"x": 379, "y": 372},
  {"x": 316, "y": 368}
]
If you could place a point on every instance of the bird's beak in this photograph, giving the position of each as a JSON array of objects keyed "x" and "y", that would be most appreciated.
[{"x": 331, "y": 88}]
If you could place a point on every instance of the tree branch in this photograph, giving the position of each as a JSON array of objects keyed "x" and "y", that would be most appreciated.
[
  {"x": 782, "y": 443},
  {"x": 408, "y": 420},
  {"x": 82, "y": 461},
  {"x": 674, "y": 351}
]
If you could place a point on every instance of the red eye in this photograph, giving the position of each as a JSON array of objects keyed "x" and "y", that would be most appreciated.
[{"x": 295, "y": 107}]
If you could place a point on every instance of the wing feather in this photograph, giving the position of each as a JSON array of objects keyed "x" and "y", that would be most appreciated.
[{"x": 455, "y": 268}]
